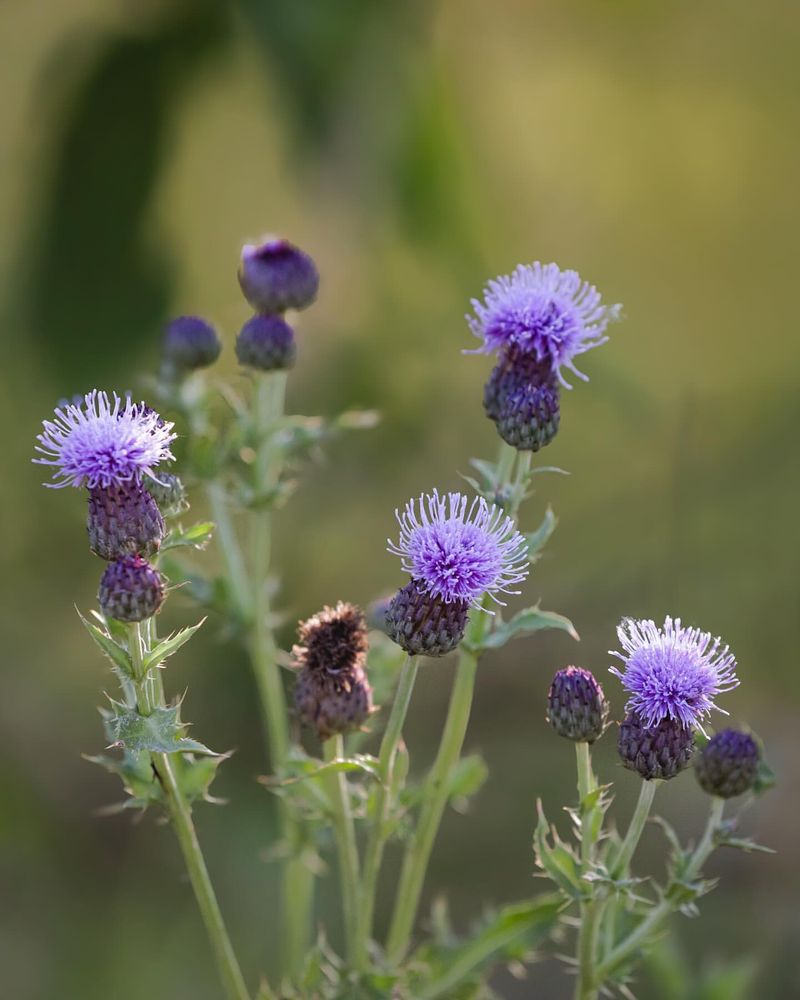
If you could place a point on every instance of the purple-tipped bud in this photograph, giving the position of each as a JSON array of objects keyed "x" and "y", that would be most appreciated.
[
  {"x": 266, "y": 343},
  {"x": 131, "y": 590},
  {"x": 576, "y": 706},
  {"x": 190, "y": 342},
  {"x": 168, "y": 492},
  {"x": 276, "y": 276},
  {"x": 424, "y": 625},
  {"x": 332, "y": 694},
  {"x": 660, "y": 751},
  {"x": 728, "y": 764},
  {"x": 522, "y": 397},
  {"x": 123, "y": 520}
]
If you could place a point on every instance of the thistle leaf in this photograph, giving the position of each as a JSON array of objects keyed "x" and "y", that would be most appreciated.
[
  {"x": 170, "y": 645},
  {"x": 110, "y": 647},
  {"x": 525, "y": 622},
  {"x": 159, "y": 732},
  {"x": 197, "y": 536},
  {"x": 538, "y": 539}
]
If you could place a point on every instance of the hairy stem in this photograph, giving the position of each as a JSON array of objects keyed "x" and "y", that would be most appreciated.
[
  {"x": 149, "y": 696},
  {"x": 377, "y": 833},
  {"x": 235, "y": 568},
  {"x": 437, "y": 791},
  {"x": 181, "y": 818},
  {"x": 344, "y": 830},
  {"x": 632, "y": 837},
  {"x": 298, "y": 879},
  {"x": 591, "y": 907}
]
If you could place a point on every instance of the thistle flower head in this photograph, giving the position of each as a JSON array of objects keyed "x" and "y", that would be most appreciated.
[
  {"x": 543, "y": 311},
  {"x": 104, "y": 441},
  {"x": 423, "y": 625},
  {"x": 672, "y": 672},
  {"x": 333, "y": 641},
  {"x": 457, "y": 551}
]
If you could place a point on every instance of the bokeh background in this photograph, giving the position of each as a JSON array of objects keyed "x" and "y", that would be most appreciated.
[{"x": 415, "y": 149}]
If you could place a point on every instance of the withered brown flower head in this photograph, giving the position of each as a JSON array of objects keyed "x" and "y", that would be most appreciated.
[{"x": 333, "y": 641}]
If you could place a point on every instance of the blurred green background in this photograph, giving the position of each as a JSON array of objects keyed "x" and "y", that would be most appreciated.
[{"x": 415, "y": 149}]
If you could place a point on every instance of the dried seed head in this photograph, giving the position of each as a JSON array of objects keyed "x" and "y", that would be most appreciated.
[
  {"x": 332, "y": 641},
  {"x": 333, "y": 704}
]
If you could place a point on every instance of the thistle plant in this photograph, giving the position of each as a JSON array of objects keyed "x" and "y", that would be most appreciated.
[{"x": 342, "y": 688}]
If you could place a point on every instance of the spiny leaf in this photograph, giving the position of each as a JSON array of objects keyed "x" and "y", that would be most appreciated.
[
  {"x": 159, "y": 732},
  {"x": 170, "y": 645},
  {"x": 525, "y": 622},
  {"x": 118, "y": 656},
  {"x": 555, "y": 858}
]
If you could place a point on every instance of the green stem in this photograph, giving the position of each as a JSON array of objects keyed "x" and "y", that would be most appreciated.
[
  {"x": 652, "y": 922},
  {"x": 590, "y": 908},
  {"x": 235, "y": 568},
  {"x": 437, "y": 792},
  {"x": 201, "y": 883},
  {"x": 344, "y": 830},
  {"x": 150, "y": 695},
  {"x": 630, "y": 843},
  {"x": 377, "y": 833},
  {"x": 505, "y": 464}
]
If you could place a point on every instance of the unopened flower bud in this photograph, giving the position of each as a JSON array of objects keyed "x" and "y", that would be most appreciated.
[
  {"x": 168, "y": 492},
  {"x": 123, "y": 519},
  {"x": 131, "y": 590},
  {"x": 332, "y": 694},
  {"x": 266, "y": 343},
  {"x": 424, "y": 625},
  {"x": 576, "y": 706},
  {"x": 728, "y": 764},
  {"x": 276, "y": 276},
  {"x": 660, "y": 751},
  {"x": 190, "y": 342}
]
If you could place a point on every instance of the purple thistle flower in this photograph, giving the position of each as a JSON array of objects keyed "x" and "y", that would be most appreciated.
[
  {"x": 543, "y": 311},
  {"x": 672, "y": 672},
  {"x": 104, "y": 442},
  {"x": 458, "y": 553}
]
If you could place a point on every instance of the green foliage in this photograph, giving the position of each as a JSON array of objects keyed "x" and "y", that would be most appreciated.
[
  {"x": 450, "y": 966},
  {"x": 197, "y": 536},
  {"x": 166, "y": 647},
  {"x": 557, "y": 859},
  {"x": 538, "y": 539},
  {"x": 524, "y": 623},
  {"x": 159, "y": 732},
  {"x": 109, "y": 645}
]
